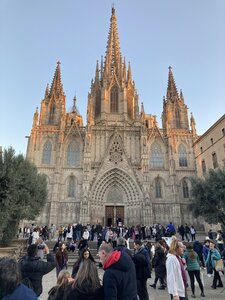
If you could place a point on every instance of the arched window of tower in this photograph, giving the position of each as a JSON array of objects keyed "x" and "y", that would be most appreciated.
[
  {"x": 73, "y": 154},
  {"x": 182, "y": 156},
  {"x": 114, "y": 99},
  {"x": 47, "y": 151}
]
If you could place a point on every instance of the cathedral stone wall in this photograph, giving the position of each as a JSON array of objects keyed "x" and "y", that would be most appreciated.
[{"x": 121, "y": 166}]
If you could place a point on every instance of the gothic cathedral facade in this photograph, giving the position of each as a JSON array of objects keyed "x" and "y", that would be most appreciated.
[{"x": 121, "y": 166}]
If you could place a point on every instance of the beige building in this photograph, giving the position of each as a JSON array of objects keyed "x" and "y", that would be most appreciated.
[
  {"x": 210, "y": 148},
  {"x": 121, "y": 166}
]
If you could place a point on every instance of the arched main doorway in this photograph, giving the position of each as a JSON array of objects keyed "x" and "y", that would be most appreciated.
[{"x": 116, "y": 198}]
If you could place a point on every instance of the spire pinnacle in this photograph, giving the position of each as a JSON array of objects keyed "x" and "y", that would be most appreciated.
[
  {"x": 56, "y": 86},
  {"x": 129, "y": 75},
  {"x": 172, "y": 93},
  {"x": 97, "y": 72},
  {"x": 47, "y": 91},
  {"x": 113, "y": 55}
]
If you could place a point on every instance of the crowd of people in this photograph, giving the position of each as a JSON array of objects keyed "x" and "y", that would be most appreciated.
[{"x": 126, "y": 271}]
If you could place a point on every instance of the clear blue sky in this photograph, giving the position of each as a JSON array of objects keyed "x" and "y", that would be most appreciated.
[{"x": 34, "y": 35}]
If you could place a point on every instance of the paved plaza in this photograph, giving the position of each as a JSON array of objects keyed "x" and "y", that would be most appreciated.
[{"x": 49, "y": 280}]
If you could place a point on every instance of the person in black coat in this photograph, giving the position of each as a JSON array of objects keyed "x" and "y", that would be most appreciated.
[
  {"x": 121, "y": 246},
  {"x": 119, "y": 279},
  {"x": 142, "y": 265},
  {"x": 33, "y": 268},
  {"x": 160, "y": 266},
  {"x": 86, "y": 285}
]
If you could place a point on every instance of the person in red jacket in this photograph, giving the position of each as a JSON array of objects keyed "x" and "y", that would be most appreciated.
[{"x": 119, "y": 279}]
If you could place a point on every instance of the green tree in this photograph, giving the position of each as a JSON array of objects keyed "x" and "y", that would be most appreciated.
[
  {"x": 23, "y": 193},
  {"x": 208, "y": 197}
]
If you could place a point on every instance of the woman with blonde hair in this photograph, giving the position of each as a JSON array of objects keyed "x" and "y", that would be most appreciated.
[
  {"x": 86, "y": 284},
  {"x": 58, "y": 291},
  {"x": 176, "y": 275}
]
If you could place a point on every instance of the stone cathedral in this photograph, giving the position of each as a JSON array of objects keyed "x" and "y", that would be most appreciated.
[{"x": 121, "y": 166}]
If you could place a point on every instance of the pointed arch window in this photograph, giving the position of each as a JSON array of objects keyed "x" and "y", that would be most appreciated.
[
  {"x": 182, "y": 156},
  {"x": 185, "y": 189},
  {"x": 51, "y": 114},
  {"x": 47, "y": 152},
  {"x": 177, "y": 117},
  {"x": 98, "y": 103},
  {"x": 114, "y": 99},
  {"x": 71, "y": 187},
  {"x": 73, "y": 154},
  {"x": 130, "y": 103},
  {"x": 156, "y": 156},
  {"x": 158, "y": 188}
]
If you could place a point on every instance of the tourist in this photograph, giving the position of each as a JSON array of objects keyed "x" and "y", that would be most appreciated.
[
  {"x": 119, "y": 279},
  {"x": 61, "y": 258},
  {"x": 142, "y": 265},
  {"x": 86, "y": 284},
  {"x": 11, "y": 287},
  {"x": 159, "y": 266},
  {"x": 33, "y": 268},
  {"x": 122, "y": 246},
  {"x": 58, "y": 291},
  {"x": 176, "y": 275},
  {"x": 214, "y": 255},
  {"x": 85, "y": 254},
  {"x": 193, "y": 268},
  {"x": 193, "y": 233}
]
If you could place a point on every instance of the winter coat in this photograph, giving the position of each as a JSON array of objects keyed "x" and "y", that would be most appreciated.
[
  {"x": 22, "y": 292},
  {"x": 193, "y": 264},
  {"x": 175, "y": 282},
  {"x": 34, "y": 268},
  {"x": 142, "y": 265},
  {"x": 85, "y": 294},
  {"x": 119, "y": 279},
  {"x": 61, "y": 261},
  {"x": 215, "y": 255},
  {"x": 160, "y": 263},
  {"x": 198, "y": 247}
]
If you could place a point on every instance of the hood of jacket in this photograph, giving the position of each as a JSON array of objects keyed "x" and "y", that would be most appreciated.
[{"x": 118, "y": 260}]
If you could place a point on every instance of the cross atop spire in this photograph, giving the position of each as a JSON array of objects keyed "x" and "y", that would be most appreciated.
[
  {"x": 113, "y": 59},
  {"x": 172, "y": 93},
  {"x": 56, "y": 87}
]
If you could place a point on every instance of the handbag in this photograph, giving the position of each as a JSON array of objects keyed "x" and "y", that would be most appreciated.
[{"x": 219, "y": 265}]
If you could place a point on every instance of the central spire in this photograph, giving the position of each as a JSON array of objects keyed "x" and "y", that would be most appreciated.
[
  {"x": 56, "y": 87},
  {"x": 172, "y": 93},
  {"x": 113, "y": 58}
]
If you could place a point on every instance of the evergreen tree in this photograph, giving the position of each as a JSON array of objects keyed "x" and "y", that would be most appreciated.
[
  {"x": 23, "y": 193},
  {"x": 208, "y": 197}
]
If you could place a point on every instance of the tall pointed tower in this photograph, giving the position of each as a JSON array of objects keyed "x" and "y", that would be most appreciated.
[
  {"x": 53, "y": 104},
  {"x": 175, "y": 112},
  {"x": 113, "y": 96}
]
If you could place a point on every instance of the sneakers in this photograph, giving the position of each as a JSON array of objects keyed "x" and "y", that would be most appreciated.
[
  {"x": 202, "y": 294},
  {"x": 153, "y": 285}
]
